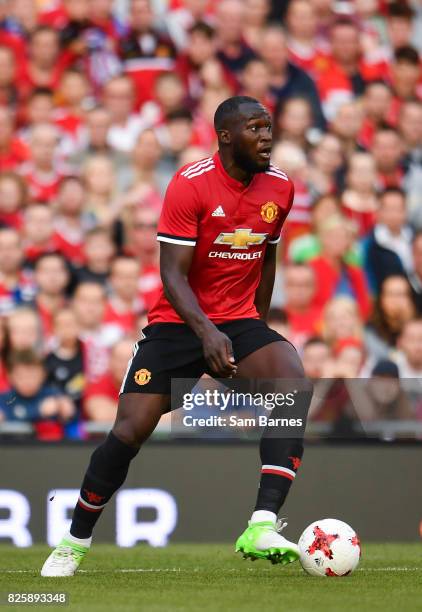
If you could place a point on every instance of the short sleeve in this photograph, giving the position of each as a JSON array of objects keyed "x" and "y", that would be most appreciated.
[
  {"x": 275, "y": 237},
  {"x": 178, "y": 222}
]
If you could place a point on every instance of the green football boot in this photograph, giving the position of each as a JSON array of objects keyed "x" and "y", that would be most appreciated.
[
  {"x": 64, "y": 560},
  {"x": 263, "y": 541}
]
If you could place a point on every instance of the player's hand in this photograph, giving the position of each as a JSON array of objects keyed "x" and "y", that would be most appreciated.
[{"x": 218, "y": 352}]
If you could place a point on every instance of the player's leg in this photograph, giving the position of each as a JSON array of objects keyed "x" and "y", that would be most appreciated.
[
  {"x": 280, "y": 455},
  {"x": 137, "y": 417}
]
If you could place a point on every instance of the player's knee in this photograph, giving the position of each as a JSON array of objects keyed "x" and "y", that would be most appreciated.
[{"x": 129, "y": 432}]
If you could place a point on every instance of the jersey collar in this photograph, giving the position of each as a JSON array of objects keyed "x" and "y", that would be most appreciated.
[{"x": 227, "y": 178}]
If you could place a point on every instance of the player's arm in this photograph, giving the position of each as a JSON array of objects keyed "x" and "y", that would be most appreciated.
[
  {"x": 266, "y": 284},
  {"x": 175, "y": 262}
]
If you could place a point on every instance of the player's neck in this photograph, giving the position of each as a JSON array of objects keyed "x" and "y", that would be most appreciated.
[{"x": 234, "y": 171}]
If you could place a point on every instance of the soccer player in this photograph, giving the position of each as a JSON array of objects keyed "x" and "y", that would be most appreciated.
[{"x": 218, "y": 233}]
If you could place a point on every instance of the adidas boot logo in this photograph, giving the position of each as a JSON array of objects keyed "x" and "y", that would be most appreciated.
[{"x": 219, "y": 212}]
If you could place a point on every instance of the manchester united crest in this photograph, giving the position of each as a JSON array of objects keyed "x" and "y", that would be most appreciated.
[
  {"x": 142, "y": 377},
  {"x": 269, "y": 212}
]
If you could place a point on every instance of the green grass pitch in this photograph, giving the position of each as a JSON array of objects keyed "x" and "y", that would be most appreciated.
[{"x": 192, "y": 577}]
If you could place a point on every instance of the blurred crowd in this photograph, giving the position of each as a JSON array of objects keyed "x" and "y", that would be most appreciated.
[{"x": 101, "y": 102}]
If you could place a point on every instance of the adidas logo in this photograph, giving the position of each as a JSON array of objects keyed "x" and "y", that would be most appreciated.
[{"x": 219, "y": 212}]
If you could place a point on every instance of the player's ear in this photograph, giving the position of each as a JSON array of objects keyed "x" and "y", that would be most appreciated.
[{"x": 224, "y": 136}]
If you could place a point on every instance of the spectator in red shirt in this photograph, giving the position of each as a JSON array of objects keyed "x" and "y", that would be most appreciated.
[
  {"x": 38, "y": 109},
  {"x": 142, "y": 243},
  {"x": 255, "y": 82},
  {"x": 315, "y": 356},
  {"x": 44, "y": 64},
  {"x": 42, "y": 172},
  {"x": 376, "y": 103},
  {"x": 69, "y": 222},
  {"x": 233, "y": 51},
  {"x": 194, "y": 62},
  {"x": 72, "y": 97},
  {"x": 101, "y": 203},
  {"x": 100, "y": 397},
  {"x": 287, "y": 79},
  {"x": 346, "y": 125},
  {"x": 169, "y": 96},
  {"x": 13, "y": 152},
  {"x": 334, "y": 276},
  {"x": 145, "y": 51},
  {"x": 89, "y": 304},
  {"x": 126, "y": 124},
  {"x": 346, "y": 72},
  {"x": 16, "y": 286},
  {"x": 387, "y": 150},
  {"x": 175, "y": 135},
  {"x": 123, "y": 304},
  {"x": 399, "y": 24},
  {"x": 293, "y": 120},
  {"x": 359, "y": 199},
  {"x": 38, "y": 232},
  {"x": 302, "y": 316},
  {"x": 98, "y": 253},
  {"x": 304, "y": 48},
  {"x": 13, "y": 199},
  {"x": 65, "y": 16},
  {"x": 341, "y": 320},
  {"x": 406, "y": 78},
  {"x": 326, "y": 161},
  {"x": 292, "y": 159},
  {"x": 51, "y": 277},
  {"x": 256, "y": 17},
  {"x": 8, "y": 92},
  {"x": 145, "y": 169}
]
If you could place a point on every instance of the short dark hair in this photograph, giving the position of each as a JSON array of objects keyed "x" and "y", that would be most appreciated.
[
  {"x": 46, "y": 92},
  {"x": 407, "y": 54},
  {"x": 229, "y": 109},
  {"x": 201, "y": 27},
  {"x": 401, "y": 10},
  {"x": 26, "y": 357},
  {"x": 344, "y": 21},
  {"x": 179, "y": 114},
  {"x": 70, "y": 178},
  {"x": 392, "y": 190},
  {"x": 51, "y": 254},
  {"x": 313, "y": 340}
]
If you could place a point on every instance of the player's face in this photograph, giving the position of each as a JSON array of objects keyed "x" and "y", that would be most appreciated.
[{"x": 252, "y": 139}]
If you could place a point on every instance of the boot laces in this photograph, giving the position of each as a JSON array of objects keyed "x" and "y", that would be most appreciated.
[{"x": 280, "y": 524}]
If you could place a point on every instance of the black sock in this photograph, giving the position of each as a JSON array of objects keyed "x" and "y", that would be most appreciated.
[
  {"x": 281, "y": 459},
  {"x": 106, "y": 473},
  {"x": 282, "y": 456}
]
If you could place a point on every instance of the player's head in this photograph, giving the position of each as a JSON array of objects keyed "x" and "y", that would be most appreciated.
[{"x": 244, "y": 130}]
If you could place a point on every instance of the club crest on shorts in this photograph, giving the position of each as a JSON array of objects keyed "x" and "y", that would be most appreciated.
[
  {"x": 142, "y": 377},
  {"x": 269, "y": 212}
]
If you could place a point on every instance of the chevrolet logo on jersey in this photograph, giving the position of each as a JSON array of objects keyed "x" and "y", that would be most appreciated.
[{"x": 240, "y": 239}]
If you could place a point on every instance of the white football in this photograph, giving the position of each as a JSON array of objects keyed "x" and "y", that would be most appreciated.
[{"x": 329, "y": 548}]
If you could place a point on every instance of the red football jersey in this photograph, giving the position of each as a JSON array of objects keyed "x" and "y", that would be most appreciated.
[{"x": 229, "y": 225}]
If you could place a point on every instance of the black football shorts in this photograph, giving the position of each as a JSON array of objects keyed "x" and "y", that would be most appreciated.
[{"x": 173, "y": 350}]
